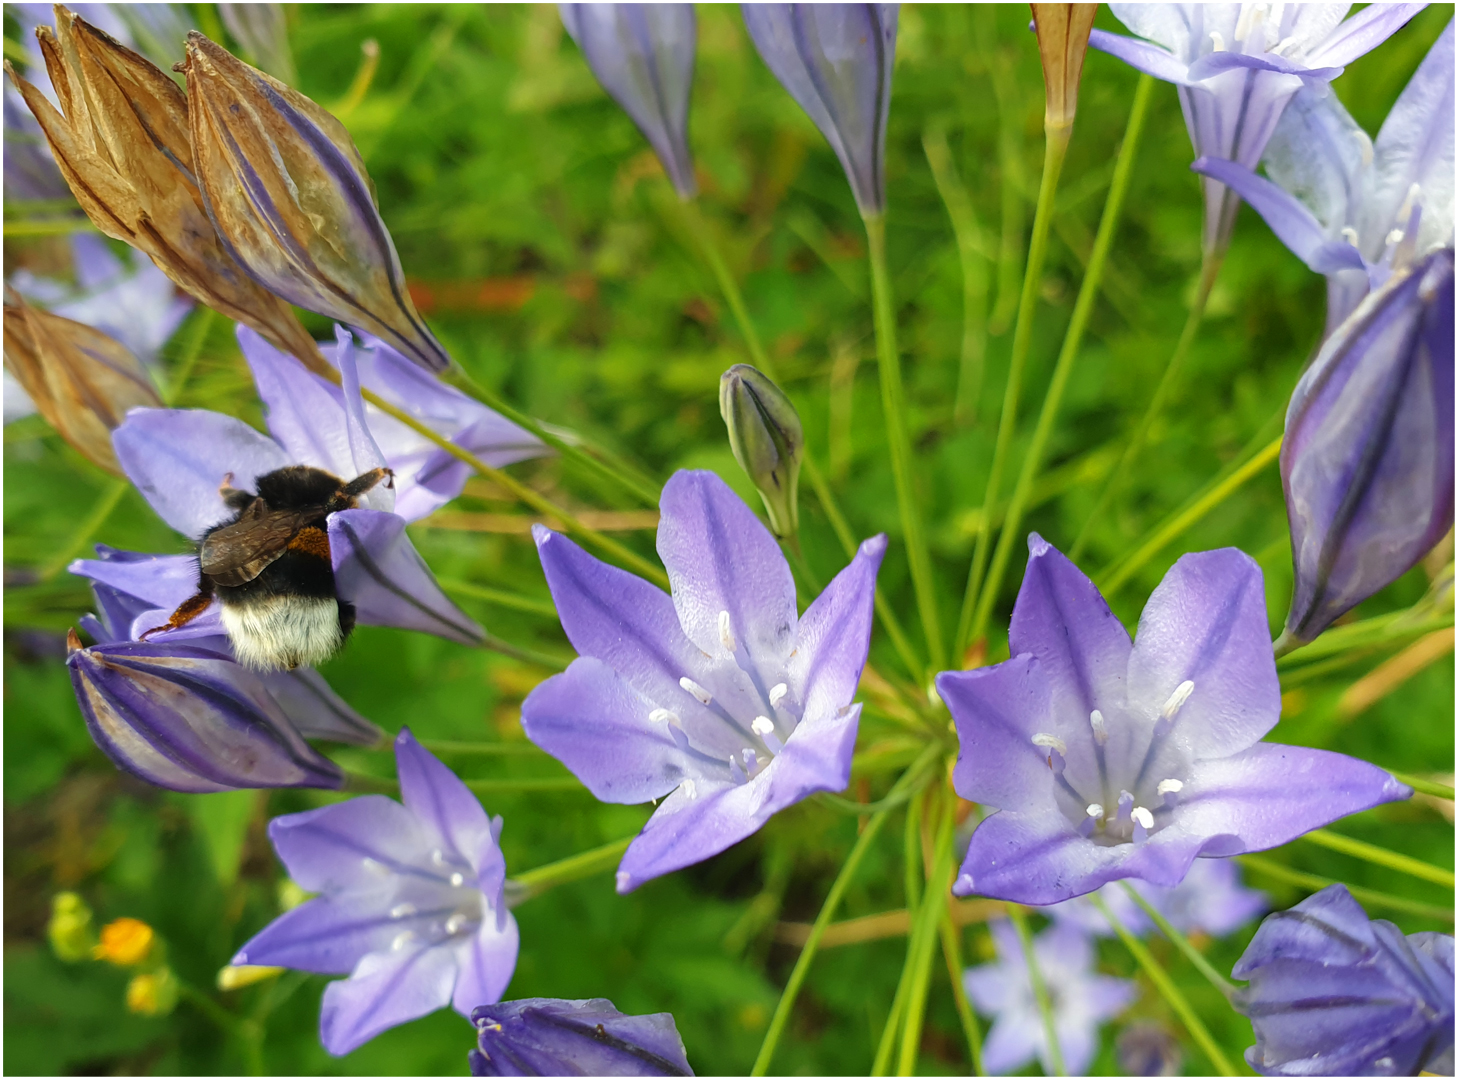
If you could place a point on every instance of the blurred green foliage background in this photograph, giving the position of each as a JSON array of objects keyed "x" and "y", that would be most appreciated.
[{"x": 551, "y": 258}]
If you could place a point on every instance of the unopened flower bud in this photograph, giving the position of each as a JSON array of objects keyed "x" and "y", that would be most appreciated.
[
  {"x": 125, "y": 942},
  {"x": 768, "y": 442},
  {"x": 237, "y": 976},
  {"x": 152, "y": 993},
  {"x": 81, "y": 380},
  {"x": 292, "y": 202},
  {"x": 551, "y": 1037},
  {"x": 1063, "y": 31},
  {"x": 121, "y": 141},
  {"x": 69, "y": 930}
]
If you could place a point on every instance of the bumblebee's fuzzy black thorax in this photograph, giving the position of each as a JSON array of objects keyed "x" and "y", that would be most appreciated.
[{"x": 296, "y": 487}]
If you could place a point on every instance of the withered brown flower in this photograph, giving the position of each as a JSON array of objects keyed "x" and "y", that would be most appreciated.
[
  {"x": 1063, "y": 31},
  {"x": 81, "y": 380},
  {"x": 121, "y": 140}
]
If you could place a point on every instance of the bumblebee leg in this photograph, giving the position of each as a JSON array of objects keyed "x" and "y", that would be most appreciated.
[
  {"x": 362, "y": 483},
  {"x": 346, "y": 617},
  {"x": 188, "y": 610},
  {"x": 233, "y": 498}
]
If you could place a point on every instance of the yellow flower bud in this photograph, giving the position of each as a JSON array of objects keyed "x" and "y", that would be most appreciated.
[
  {"x": 236, "y": 977},
  {"x": 69, "y": 930},
  {"x": 125, "y": 942},
  {"x": 152, "y": 993}
]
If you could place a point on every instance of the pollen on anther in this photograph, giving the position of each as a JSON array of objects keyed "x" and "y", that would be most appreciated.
[
  {"x": 1050, "y": 742},
  {"x": 437, "y": 856},
  {"x": 703, "y": 696},
  {"x": 777, "y": 694},
  {"x": 458, "y": 879},
  {"x": 1217, "y": 42},
  {"x": 762, "y": 725},
  {"x": 690, "y": 789},
  {"x": 726, "y": 632},
  {"x": 1181, "y": 695},
  {"x": 1141, "y": 816},
  {"x": 1095, "y": 810},
  {"x": 1168, "y": 787},
  {"x": 663, "y": 716},
  {"x": 1100, "y": 729},
  {"x": 402, "y": 911},
  {"x": 1349, "y": 234},
  {"x": 456, "y": 923},
  {"x": 401, "y": 940}
]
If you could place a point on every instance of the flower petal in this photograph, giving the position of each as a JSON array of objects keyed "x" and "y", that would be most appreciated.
[
  {"x": 1206, "y": 624},
  {"x": 128, "y": 583},
  {"x": 486, "y": 962},
  {"x": 316, "y": 710},
  {"x": 1363, "y": 32},
  {"x": 178, "y": 457},
  {"x": 834, "y": 634},
  {"x": 1217, "y": 63},
  {"x": 1034, "y": 858},
  {"x": 327, "y": 935},
  {"x": 378, "y": 570},
  {"x": 594, "y": 723},
  {"x": 385, "y": 989},
  {"x": 720, "y": 557},
  {"x": 1140, "y": 55},
  {"x": 1012, "y": 1042},
  {"x": 355, "y": 844},
  {"x": 997, "y": 711},
  {"x": 442, "y": 804}
]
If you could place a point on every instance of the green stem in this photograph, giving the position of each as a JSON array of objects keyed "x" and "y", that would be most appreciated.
[
  {"x": 1055, "y": 148},
  {"x": 1167, "y": 988},
  {"x": 516, "y": 787},
  {"x": 1040, "y": 989},
  {"x": 1367, "y": 897},
  {"x": 727, "y": 285},
  {"x": 911, "y": 851},
  {"x": 573, "y": 868},
  {"x": 827, "y": 912},
  {"x": 893, "y": 404},
  {"x": 1427, "y": 787},
  {"x": 1360, "y": 849},
  {"x": 1114, "y": 577},
  {"x": 1218, "y": 981},
  {"x": 1088, "y": 293},
  {"x": 197, "y": 333},
  {"x": 924, "y": 938},
  {"x": 1209, "y": 270},
  {"x": 526, "y": 656},
  {"x": 882, "y": 1060},
  {"x": 358, "y": 783},
  {"x": 207, "y": 1006},
  {"x": 1380, "y": 630},
  {"x": 492, "y": 749},
  {"x": 640, "y": 489},
  {"x": 974, "y": 272},
  {"x": 106, "y": 502},
  {"x": 500, "y": 597},
  {"x": 952, "y": 951}
]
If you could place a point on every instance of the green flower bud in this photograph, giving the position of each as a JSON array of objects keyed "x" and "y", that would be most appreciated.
[
  {"x": 153, "y": 993},
  {"x": 70, "y": 930},
  {"x": 768, "y": 442}
]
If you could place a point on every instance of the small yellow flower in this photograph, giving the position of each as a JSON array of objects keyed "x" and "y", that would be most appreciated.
[
  {"x": 125, "y": 942},
  {"x": 69, "y": 930},
  {"x": 153, "y": 993}
]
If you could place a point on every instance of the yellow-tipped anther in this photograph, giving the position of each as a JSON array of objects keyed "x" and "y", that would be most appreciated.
[{"x": 236, "y": 977}]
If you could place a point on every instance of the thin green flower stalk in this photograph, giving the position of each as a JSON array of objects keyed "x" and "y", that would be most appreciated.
[
  {"x": 1040, "y": 988},
  {"x": 1209, "y": 271},
  {"x": 1218, "y": 981},
  {"x": 911, "y": 776},
  {"x": 598, "y": 860},
  {"x": 1366, "y": 897},
  {"x": 898, "y": 440},
  {"x": 1171, "y": 993},
  {"x": 1377, "y": 856},
  {"x": 1082, "y": 309},
  {"x": 928, "y": 919},
  {"x": 952, "y": 951},
  {"x": 1055, "y": 149}
]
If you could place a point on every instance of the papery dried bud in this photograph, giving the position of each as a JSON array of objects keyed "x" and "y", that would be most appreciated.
[
  {"x": 82, "y": 381},
  {"x": 290, "y": 197},
  {"x": 1367, "y": 461},
  {"x": 1063, "y": 31},
  {"x": 767, "y": 440},
  {"x": 121, "y": 141}
]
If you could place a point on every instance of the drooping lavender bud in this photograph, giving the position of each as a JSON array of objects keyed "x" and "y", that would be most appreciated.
[
  {"x": 189, "y": 719},
  {"x": 1063, "y": 31},
  {"x": 643, "y": 54},
  {"x": 551, "y": 1037},
  {"x": 1333, "y": 993},
  {"x": 289, "y": 195},
  {"x": 1367, "y": 462},
  {"x": 121, "y": 141},
  {"x": 767, "y": 440},
  {"x": 836, "y": 61},
  {"x": 82, "y": 381}
]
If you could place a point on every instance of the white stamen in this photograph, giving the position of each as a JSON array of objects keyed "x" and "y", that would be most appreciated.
[
  {"x": 690, "y": 789},
  {"x": 1050, "y": 742},
  {"x": 1126, "y": 803},
  {"x": 458, "y": 880},
  {"x": 1251, "y": 16},
  {"x": 437, "y": 856},
  {"x": 696, "y": 690},
  {"x": 1143, "y": 817},
  {"x": 456, "y": 923},
  {"x": 777, "y": 694},
  {"x": 762, "y": 726},
  {"x": 663, "y": 716},
  {"x": 1349, "y": 234},
  {"x": 1100, "y": 729},
  {"x": 751, "y": 760},
  {"x": 1364, "y": 142},
  {"x": 1169, "y": 787},
  {"x": 402, "y": 911},
  {"x": 401, "y": 940},
  {"x": 736, "y": 771},
  {"x": 1287, "y": 46},
  {"x": 1095, "y": 810},
  {"x": 374, "y": 867},
  {"x": 1181, "y": 695},
  {"x": 1217, "y": 43},
  {"x": 1414, "y": 193},
  {"x": 1395, "y": 236},
  {"x": 726, "y": 632}
]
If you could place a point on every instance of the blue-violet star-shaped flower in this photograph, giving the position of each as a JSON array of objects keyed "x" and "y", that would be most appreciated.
[
  {"x": 412, "y": 904},
  {"x": 1111, "y": 760},
  {"x": 720, "y": 698}
]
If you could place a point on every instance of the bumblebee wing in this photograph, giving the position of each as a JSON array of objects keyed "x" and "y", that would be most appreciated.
[{"x": 236, "y": 554}]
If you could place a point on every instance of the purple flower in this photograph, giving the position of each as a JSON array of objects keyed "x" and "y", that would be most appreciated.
[
  {"x": 643, "y": 54},
  {"x": 30, "y": 170},
  {"x": 412, "y": 906},
  {"x": 178, "y": 457},
  {"x": 1367, "y": 462},
  {"x": 552, "y": 1037},
  {"x": 190, "y": 719},
  {"x": 1082, "y": 999},
  {"x": 836, "y": 62},
  {"x": 1333, "y": 993},
  {"x": 1238, "y": 65},
  {"x": 720, "y": 698},
  {"x": 1344, "y": 205},
  {"x": 1210, "y": 900},
  {"x": 1108, "y": 760}
]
